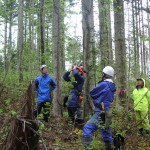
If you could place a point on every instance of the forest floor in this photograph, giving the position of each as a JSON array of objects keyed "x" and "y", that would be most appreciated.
[{"x": 58, "y": 134}]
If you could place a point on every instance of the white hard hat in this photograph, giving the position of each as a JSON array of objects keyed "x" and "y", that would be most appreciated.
[
  {"x": 43, "y": 66},
  {"x": 109, "y": 71}
]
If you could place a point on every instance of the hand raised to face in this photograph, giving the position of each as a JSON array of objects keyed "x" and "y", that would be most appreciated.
[{"x": 73, "y": 67}]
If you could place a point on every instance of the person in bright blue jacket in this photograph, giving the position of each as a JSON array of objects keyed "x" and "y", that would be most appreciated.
[
  {"x": 103, "y": 96},
  {"x": 44, "y": 85},
  {"x": 75, "y": 92}
]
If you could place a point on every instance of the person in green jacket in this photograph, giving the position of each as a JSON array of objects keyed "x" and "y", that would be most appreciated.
[{"x": 141, "y": 97}]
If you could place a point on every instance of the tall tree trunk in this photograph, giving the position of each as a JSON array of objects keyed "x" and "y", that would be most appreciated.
[
  {"x": 62, "y": 30},
  {"x": 5, "y": 40},
  {"x": 56, "y": 37},
  {"x": 20, "y": 39},
  {"x": 134, "y": 38},
  {"x": 25, "y": 23},
  {"x": 140, "y": 38},
  {"x": 137, "y": 39},
  {"x": 105, "y": 33},
  {"x": 129, "y": 45},
  {"x": 38, "y": 35},
  {"x": 42, "y": 30},
  {"x": 10, "y": 39},
  {"x": 120, "y": 50},
  {"x": 88, "y": 51},
  {"x": 31, "y": 33},
  {"x": 111, "y": 56},
  {"x": 129, "y": 55},
  {"x": 143, "y": 41},
  {"x": 5, "y": 49},
  {"x": 148, "y": 20},
  {"x": 10, "y": 27}
]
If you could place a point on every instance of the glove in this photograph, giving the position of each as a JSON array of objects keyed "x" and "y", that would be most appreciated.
[
  {"x": 102, "y": 115},
  {"x": 105, "y": 118},
  {"x": 80, "y": 99}
]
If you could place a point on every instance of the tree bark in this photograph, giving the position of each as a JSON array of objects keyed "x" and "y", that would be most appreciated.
[
  {"x": 5, "y": 49},
  {"x": 42, "y": 30},
  {"x": 137, "y": 40},
  {"x": 20, "y": 39},
  {"x": 105, "y": 33},
  {"x": 89, "y": 52},
  {"x": 148, "y": 59},
  {"x": 120, "y": 50},
  {"x": 143, "y": 41},
  {"x": 31, "y": 34},
  {"x": 62, "y": 31},
  {"x": 56, "y": 38}
]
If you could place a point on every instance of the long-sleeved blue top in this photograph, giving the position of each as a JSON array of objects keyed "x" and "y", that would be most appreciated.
[
  {"x": 79, "y": 79},
  {"x": 44, "y": 85},
  {"x": 103, "y": 92},
  {"x": 77, "y": 87}
]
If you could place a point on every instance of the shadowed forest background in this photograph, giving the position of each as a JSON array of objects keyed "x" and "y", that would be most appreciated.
[{"x": 60, "y": 33}]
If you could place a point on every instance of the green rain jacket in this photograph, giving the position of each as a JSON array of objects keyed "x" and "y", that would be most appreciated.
[{"x": 141, "y": 98}]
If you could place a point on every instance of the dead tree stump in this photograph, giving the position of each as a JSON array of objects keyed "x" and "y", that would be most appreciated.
[{"x": 22, "y": 134}]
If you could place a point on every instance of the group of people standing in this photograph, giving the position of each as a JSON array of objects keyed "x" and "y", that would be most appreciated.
[{"x": 102, "y": 96}]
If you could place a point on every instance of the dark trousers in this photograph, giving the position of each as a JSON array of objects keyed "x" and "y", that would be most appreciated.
[
  {"x": 76, "y": 116},
  {"x": 46, "y": 110},
  {"x": 72, "y": 113}
]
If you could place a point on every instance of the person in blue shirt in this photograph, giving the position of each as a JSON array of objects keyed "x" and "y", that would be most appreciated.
[
  {"x": 75, "y": 92},
  {"x": 44, "y": 85},
  {"x": 103, "y": 96}
]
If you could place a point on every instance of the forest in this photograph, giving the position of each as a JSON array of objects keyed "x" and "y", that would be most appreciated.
[{"x": 60, "y": 34}]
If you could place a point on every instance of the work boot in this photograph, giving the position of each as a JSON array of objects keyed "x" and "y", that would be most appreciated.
[
  {"x": 147, "y": 131},
  {"x": 86, "y": 141},
  {"x": 108, "y": 145},
  {"x": 45, "y": 119},
  {"x": 141, "y": 132}
]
